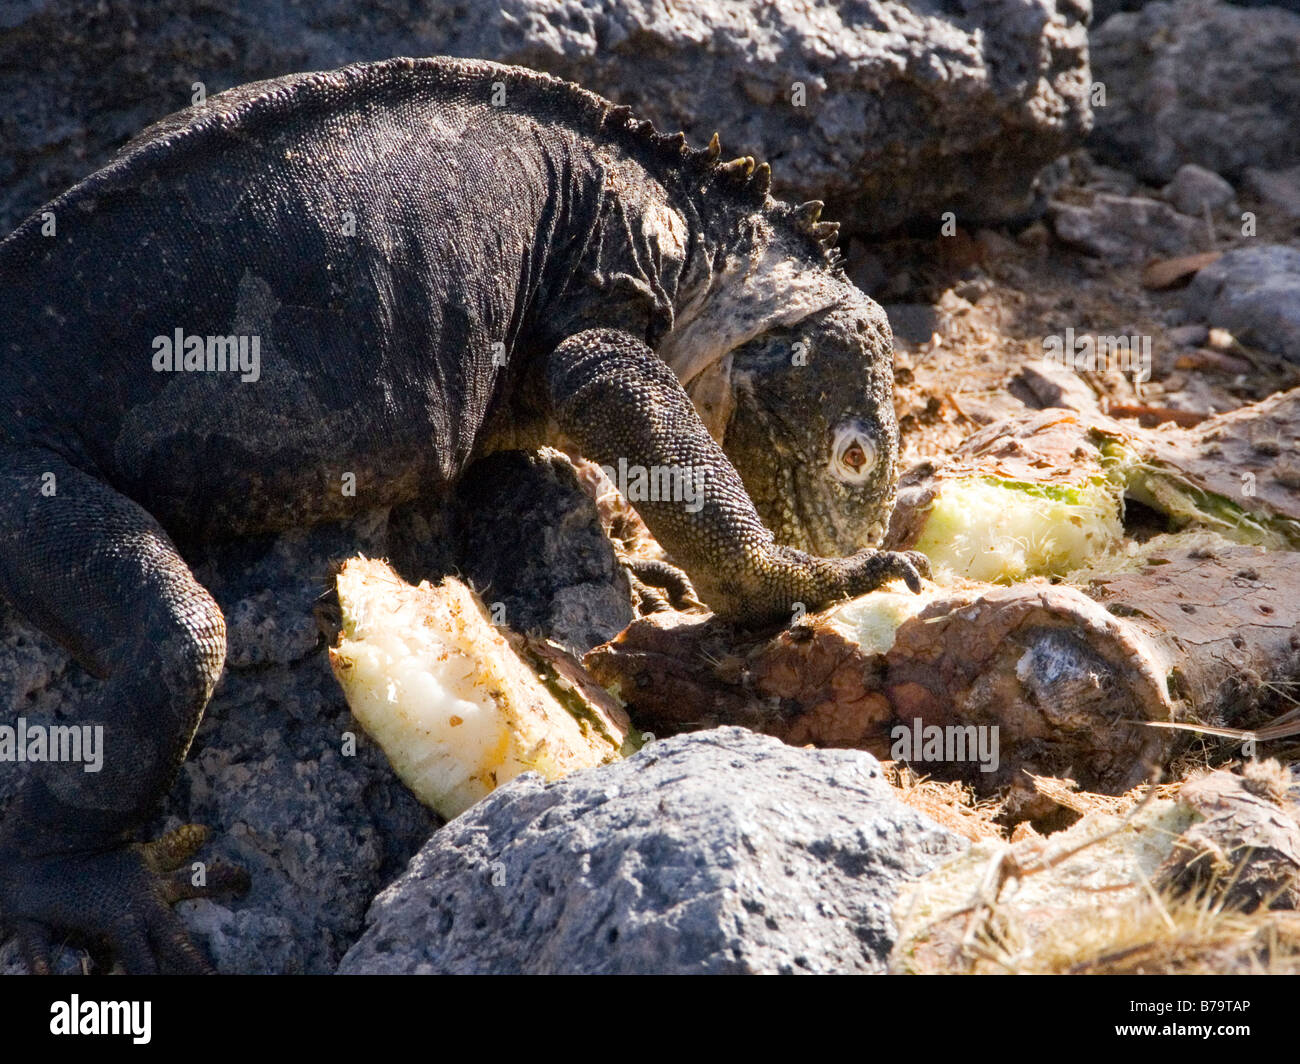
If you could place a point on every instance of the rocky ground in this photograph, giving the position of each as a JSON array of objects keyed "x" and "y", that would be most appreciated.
[
  {"x": 1176, "y": 221},
  {"x": 972, "y": 311}
]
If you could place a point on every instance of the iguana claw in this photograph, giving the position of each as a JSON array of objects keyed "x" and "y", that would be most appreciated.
[
  {"x": 879, "y": 567},
  {"x": 121, "y": 897},
  {"x": 649, "y": 574}
]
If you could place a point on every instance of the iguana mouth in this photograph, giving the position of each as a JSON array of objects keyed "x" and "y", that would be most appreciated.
[
  {"x": 810, "y": 523},
  {"x": 792, "y": 506},
  {"x": 822, "y": 531}
]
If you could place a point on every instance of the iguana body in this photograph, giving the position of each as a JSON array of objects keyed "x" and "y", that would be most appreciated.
[{"x": 432, "y": 259}]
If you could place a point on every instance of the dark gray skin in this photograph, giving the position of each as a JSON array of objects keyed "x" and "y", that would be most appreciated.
[{"x": 439, "y": 258}]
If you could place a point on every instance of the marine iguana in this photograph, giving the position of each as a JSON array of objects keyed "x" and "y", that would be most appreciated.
[{"x": 380, "y": 274}]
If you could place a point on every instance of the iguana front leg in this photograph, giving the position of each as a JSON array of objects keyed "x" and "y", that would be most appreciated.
[
  {"x": 614, "y": 398},
  {"x": 96, "y": 572}
]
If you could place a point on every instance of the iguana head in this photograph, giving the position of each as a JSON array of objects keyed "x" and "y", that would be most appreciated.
[
  {"x": 788, "y": 364},
  {"x": 812, "y": 430},
  {"x": 791, "y": 368}
]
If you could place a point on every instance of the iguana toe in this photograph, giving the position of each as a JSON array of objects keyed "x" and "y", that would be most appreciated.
[
  {"x": 651, "y": 573},
  {"x": 120, "y": 897},
  {"x": 870, "y": 569}
]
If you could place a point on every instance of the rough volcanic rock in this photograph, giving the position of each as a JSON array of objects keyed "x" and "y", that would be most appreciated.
[
  {"x": 909, "y": 109},
  {"x": 1103, "y": 9},
  {"x": 318, "y": 830},
  {"x": 1194, "y": 189},
  {"x": 1197, "y": 81},
  {"x": 321, "y": 831},
  {"x": 1123, "y": 229},
  {"x": 1254, "y": 293},
  {"x": 1279, "y": 190},
  {"x": 556, "y": 573},
  {"x": 722, "y": 851}
]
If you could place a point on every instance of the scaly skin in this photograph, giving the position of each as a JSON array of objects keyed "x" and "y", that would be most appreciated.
[
  {"x": 438, "y": 258},
  {"x": 734, "y": 562}
]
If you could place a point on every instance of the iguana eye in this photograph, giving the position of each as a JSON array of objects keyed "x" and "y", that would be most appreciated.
[{"x": 853, "y": 454}]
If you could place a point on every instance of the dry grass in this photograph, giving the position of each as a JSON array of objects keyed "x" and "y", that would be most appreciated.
[
  {"x": 953, "y": 805},
  {"x": 1164, "y": 936},
  {"x": 1083, "y": 901}
]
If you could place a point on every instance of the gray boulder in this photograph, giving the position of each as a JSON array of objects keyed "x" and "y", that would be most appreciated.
[
  {"x": 908, "y": 110},
  {"x": 1103, "y": 9},
  {"x": 1277, "y": 190},
  {"x": 1197, "y": 81},
  {"x": 1194, "y": 189},
  {"x": 1123, "y": 229},
  {"x": 565, "y": 582},
  {"x": 717, "y": 852},
  {"x": 1254, "y": 293}
]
